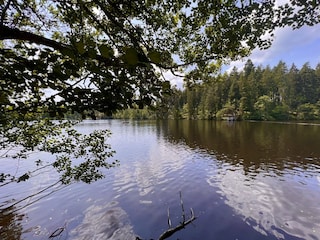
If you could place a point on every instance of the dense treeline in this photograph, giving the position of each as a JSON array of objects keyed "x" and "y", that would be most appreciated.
[{"x": 257, "y": 93}]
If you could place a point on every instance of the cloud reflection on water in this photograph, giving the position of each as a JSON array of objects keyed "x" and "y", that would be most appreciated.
[
  {"x": 286, "y": 210},
  {"x": 151, "y": 170},
  {"x": 104, "y": 222}
]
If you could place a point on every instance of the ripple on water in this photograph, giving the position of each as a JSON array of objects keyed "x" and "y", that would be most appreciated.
[
  {"x": 273, "y": 198},
  {"x": 278, "y": 205}
]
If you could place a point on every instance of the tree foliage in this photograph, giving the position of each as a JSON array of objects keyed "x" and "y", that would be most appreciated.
[
  {"x": 103, "y": 55},
  {"x": 78, "y": 157},
  {"x": 259, "y": 93}
]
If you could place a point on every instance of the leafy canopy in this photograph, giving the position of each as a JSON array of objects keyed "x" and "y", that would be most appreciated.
[{"x": 86, "y": 55}]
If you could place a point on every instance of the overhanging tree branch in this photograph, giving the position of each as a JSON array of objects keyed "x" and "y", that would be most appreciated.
[{"x": 7, "y": 33}]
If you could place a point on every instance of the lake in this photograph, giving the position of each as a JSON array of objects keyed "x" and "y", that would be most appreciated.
[{"x": 243, "y": 180}]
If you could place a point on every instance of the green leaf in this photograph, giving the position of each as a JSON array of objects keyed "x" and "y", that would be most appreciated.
[
  {"x": 92, "y": 53},
  {"x": 80, "y": 47},
  {"x": 67, "y": 52},
  {"x": 166, "y": 85},
  {"x": 3, "y": 98},
  {"x": 131, "y": 56},
  {"x": 106, "y": 51},
  {"x": 155, "y": 57},
  {"x": 9, "y": 108}
]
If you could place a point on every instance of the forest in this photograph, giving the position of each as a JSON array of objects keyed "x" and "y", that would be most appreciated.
[{"x": 254, "y": 93}]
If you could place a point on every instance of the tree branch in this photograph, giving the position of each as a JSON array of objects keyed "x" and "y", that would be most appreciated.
[
  {"x": 182, "y": 224},
  {"x": 3, "y": 14},
  {"x": 171, "y": 231},
  {"x": 17, "y": 34}
]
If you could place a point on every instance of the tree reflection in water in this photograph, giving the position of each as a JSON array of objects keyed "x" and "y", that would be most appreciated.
[
  {"x": 10, "y": 218},
  {"x": 256, "y": 146},
  {"x": 10, "y": 224}
]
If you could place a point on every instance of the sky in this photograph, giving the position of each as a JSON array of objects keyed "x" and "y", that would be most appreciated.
[{"x": 290, "y": 46}]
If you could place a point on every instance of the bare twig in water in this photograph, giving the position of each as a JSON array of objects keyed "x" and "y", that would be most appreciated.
[
  {"x": 182, "y": 208},
  {"x": 169, "y": 220},
  {"x": 58, "y": 231},
  {"x": 182, "y": 224}
]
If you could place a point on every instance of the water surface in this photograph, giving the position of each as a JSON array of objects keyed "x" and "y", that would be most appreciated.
[{"x": 244, "y": 180}]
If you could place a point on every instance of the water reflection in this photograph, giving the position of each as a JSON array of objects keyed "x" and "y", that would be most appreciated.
[
  {"x": 268, "y": 173},
  {"x": 104, "y": 222},
  {"x": 155, "y": 167},
  {"x": 10, "y": 224},
  {"x": 280, "y": 206},
  {"x": 243, "y": 180},
  {"x": 256, "y": 146}
]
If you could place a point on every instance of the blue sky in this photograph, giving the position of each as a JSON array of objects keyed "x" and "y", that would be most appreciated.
[{"x": 290, "y": 46}]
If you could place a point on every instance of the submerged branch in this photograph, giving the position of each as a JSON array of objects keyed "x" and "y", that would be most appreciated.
[
  {"x": 173, "y": 230},
  {"x": 182, "y": 224}
]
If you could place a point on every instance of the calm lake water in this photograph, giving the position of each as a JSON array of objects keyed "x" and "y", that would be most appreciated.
[{"x": 244, "y": 180}]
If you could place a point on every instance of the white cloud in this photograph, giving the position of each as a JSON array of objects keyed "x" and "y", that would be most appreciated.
[
  {"x": 174, "y": 80},
  {"x": 291, "y": 46}
]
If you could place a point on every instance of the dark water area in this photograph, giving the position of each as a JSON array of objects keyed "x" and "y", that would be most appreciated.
[{"x": 244, "y": 180}]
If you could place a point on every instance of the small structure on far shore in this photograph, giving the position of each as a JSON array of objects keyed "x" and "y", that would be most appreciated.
[{"x": 229, "y": 117}]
